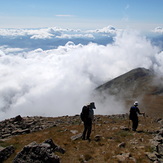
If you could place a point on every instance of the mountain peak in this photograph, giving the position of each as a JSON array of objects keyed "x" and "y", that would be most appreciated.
[
  {"x": 130, "y": 78},
  {"x": 138, "y": 84}
]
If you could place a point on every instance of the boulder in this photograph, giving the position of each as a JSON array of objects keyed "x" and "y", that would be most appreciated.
[
  {"x": 55, "y": 147},
  {"x": 40, "y": 153},
  {"x": 6, "y": 152},
  {"x": 18, "y": 118}
]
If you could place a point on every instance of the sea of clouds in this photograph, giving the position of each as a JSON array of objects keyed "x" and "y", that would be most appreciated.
[{"x": 53, "y": 71}]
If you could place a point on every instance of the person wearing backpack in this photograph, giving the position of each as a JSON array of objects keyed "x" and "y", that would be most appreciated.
[
  {"x": 87, "y": 116},
  {"x": 133, "y": 115}
]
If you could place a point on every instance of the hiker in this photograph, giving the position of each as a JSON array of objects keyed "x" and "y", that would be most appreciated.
[
  {"x": 133, "y": 116},
  {"x": 87, "y": 116}
]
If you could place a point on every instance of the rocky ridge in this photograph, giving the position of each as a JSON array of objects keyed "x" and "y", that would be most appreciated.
[{"x": 19, "y": 125}]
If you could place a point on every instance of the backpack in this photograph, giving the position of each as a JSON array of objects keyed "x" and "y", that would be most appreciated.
[{"x": 85, "y": 113}]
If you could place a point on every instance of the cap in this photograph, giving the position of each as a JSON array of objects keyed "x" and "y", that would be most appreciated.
[
  {"x": 93, "y": 105},
  {"x": 136, "y": 103}
]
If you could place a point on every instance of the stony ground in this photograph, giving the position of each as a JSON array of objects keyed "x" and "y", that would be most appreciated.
[{"x": 111, "y": 139}]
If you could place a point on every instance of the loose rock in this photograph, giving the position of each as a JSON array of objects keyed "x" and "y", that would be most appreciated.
[
  {"x": 40, "y": 153},
  {"x": 122, "y": 145},
  {"x": 76, "y": 137},
  {"x": 6, "y": 152}
]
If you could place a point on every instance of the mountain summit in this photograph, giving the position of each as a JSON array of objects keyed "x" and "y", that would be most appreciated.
[{"x": 138, "y": 84}]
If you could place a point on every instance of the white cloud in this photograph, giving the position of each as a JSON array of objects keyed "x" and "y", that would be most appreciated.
[
  {"x": 12, "y": 32},
  {"x": 107, "y": 30},
  {"x": 34, "y": 33},
  {"x": 45, "y": 33},
  {"x": 69, "y": 36},
  {"x": 59, "y": 81},
  {"x": 42, "y": 36},
  {"x": 8, "y": 50},
  {"x": 158, "y": 30}
]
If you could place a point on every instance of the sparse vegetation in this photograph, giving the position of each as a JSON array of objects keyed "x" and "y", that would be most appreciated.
[{"x": 104, "y": 150}]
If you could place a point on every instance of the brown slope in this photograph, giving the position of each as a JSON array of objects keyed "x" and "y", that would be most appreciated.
[
  {"x": 113, "y": 139},
  {"x": 138, "y": 84}
]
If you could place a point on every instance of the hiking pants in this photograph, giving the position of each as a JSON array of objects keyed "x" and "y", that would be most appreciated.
[
  {"x": 87, "y": 129},
  {"x": 134, "y": 124}
]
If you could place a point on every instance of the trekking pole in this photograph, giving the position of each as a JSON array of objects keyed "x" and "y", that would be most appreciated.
[
  {"x": 144, "y": 117},
  {"x": 94, "y": 127},
  {"x": 145, "y": 120},
  {"x": 80, "y": 122},
  {"x": 129, "y": 124}
]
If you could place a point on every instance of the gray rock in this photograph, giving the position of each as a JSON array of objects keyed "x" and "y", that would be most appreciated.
[
  {"x": 74, "y": 131},
  {"x": 55, "y": 147},
  {"x": 19, "y": 125},
  {"x": 76, "y": 137},
  {"x": 122, "y": 157},
  {"x": 18, "y": 118},
  {"x": 160, "y": 121},
  {"x": 5, "y": 136},
  {"x": 124, "y": 128},
  {"x": 122, "y": 145},
  {"x": 19, "y": 131},
  {"x": 152, "y": 156},
  {"x": 6, "y": 152},
  {"x": 160, "y": 149},
  {"x": 97, "y": 138},
  {"x": 161, "y": 132},
  {"x": 39, "y": 153}
]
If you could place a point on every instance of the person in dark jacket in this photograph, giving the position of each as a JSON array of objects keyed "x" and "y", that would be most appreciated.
[
  {"x": 133, "y": 116},
  {"x": 87, "y": 120}
]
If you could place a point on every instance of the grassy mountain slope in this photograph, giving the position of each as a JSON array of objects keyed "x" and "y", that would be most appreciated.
[
  {"x": 107, "y": 148},
  {"x": 139, "y": 84}
]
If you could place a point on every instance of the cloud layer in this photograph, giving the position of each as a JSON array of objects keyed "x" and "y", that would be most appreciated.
[
  {"x": 158, "y": 30},
  {"x": 59, "y": 81}
]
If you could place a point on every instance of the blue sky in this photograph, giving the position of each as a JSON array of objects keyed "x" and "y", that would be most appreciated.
[{"x": 88, "y": 14}]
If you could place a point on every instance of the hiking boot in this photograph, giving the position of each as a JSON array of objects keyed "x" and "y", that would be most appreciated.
[
  {"x": 83, "y": 138},
  {"x": 89, "y": 139}
]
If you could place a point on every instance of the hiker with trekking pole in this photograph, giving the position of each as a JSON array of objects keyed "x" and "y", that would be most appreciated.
[
  {"x": 87, "y": 116},
  {"x": 133, "y": 115}
]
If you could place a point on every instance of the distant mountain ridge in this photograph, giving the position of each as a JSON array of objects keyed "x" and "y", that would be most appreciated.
[
  {"x": 130, "y": 81},
  {"x": 138, "y": 84}
]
